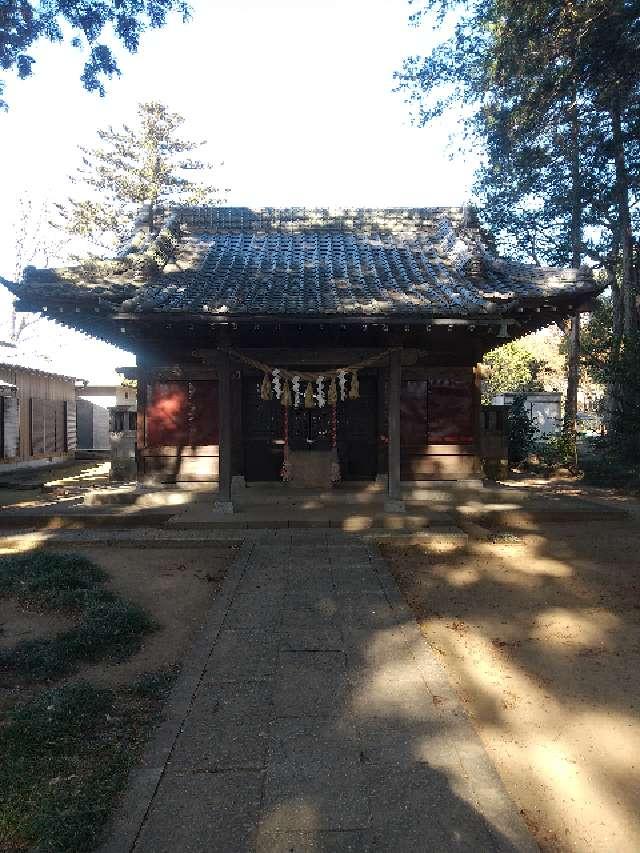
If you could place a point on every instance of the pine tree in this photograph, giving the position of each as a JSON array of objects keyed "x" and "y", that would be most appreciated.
[{"x": 147, "y": 164}]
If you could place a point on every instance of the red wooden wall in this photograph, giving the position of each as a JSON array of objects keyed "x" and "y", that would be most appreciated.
[
  {"x": 180, "y": 430},
  {"x": 437, "y": 425}
]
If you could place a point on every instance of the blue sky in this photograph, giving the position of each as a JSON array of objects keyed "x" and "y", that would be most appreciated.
[{"x": 295, "y": 96}]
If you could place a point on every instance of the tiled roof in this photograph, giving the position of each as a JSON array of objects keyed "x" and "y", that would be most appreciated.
[
  {"x": 17, "y": 366},
  {"x": 426, "y": 262}
]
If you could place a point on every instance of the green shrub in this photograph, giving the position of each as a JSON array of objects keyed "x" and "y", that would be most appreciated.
[
  {"x": 521, "y": 431},
  {"x": 558, "y": 449},
  {"x": 608, "y": 464}
]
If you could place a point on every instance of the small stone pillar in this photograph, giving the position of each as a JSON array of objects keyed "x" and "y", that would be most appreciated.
[{"x": 123, "y": 456}]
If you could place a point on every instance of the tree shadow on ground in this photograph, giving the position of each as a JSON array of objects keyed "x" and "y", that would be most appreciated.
[{"x": 541, "y": 636}]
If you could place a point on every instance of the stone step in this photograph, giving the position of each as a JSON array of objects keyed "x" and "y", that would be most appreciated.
[{"x": 256, "y": 495}]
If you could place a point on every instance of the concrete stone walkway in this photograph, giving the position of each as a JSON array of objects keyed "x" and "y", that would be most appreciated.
[{"x": 313, "y": 717}]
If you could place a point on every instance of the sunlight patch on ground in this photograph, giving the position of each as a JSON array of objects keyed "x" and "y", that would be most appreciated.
[
  {"x": 559, "y": 626},
  {"x": 23, "y": 543},
  {"x": 81, "y": 477}
]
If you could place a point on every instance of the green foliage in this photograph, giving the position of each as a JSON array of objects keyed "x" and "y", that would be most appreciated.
[
  {"x": 513, "y": 367},
  {"x": 550, "y": 91},
  {"x": 596, "y": 341},
  {"x": 108, "y": 626},
  {"x": 521, "y": 431},
  {"x": 65, "y": 758},
  {"x": 147, "y": 164},
  {"x": 605, "y": 464},
  {"x": 556, "y": 450},
  {"x": 23, "y": 23},
  {"x": 623, "y": 373},
  {"x": 616, "y": 363}
]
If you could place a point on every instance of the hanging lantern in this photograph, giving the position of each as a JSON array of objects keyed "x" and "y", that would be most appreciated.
[
  {"x": 332, "y": 394},
  {"x": 320, "y": 392},
  {"x": 308, "y": 396},
  {"x": 266, "y": 392},
  {"x": 354, "y": 391},
  {"x": 285, "y": 399}
]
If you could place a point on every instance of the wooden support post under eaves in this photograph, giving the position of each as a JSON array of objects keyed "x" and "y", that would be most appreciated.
[
  {"x": 394, "y": 495},
  {"x": 223, "y": 502}
]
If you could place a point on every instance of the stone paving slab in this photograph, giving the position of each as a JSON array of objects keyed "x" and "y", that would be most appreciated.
[
  {"x": 199, "y": 812},
  {"x": 310, "y": 684},
  {"x": 311, "y": 638},
  {"x": 313, "y": 717},
  {"x": 327, "y": 841},
  {"x": 242, "y": 656}
]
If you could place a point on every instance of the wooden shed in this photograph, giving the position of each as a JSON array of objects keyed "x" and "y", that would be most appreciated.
[{"x": 37, "y": 415}]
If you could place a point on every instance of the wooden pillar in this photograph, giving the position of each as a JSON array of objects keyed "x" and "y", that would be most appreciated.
[
  {"x": 223, "y": 502},
  {"x": 394, "y": 496},
  {"x": 141, "y": 421}
]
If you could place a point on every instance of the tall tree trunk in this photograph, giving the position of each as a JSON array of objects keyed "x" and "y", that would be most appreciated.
[
  {"x": 627, "y": 301},
  {"x": 573, "y": 351},
  {"x": 612, "y": 394},
  {"x": 625, "y": 390}
]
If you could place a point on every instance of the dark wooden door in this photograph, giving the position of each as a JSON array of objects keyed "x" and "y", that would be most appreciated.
[
  {"x": 263, "y": 425},
  {"x": 310, "y": 429},
  {"x": 357, "y": 432}
]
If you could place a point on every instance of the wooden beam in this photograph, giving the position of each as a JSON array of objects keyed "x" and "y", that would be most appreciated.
[
  {"x": 223, "y": 502},
  {"x": 394, "y": 495}
]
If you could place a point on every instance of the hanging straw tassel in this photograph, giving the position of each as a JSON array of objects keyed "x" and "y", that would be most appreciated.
[
  {"x": 332, "y": 393},
  {"x": 354, "y": 391},
  {"x": 266, "y": 392},
  {"x": 308, "y": 396},
  {"x": 285, "y": 397}
]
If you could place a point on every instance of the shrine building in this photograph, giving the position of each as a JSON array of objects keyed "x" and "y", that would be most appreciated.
[{"x": 310, "y": 346}]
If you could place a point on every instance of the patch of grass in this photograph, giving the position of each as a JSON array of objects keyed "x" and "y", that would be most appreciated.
[
  {"x": 66, "y": 752},
  {"x": 108, "y": 626},
  {"x": 111, "y": 627},
  {"x": 155, "y": 685},
  {"x": 65, "y": 758},
  {"x": 49, "y": 581}
]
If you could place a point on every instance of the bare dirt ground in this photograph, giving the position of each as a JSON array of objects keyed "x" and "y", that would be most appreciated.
[
  {"x": 49, "y": 485},
  {"x": 540, "y": 636},
  {"x": 175, "y": 586}
]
